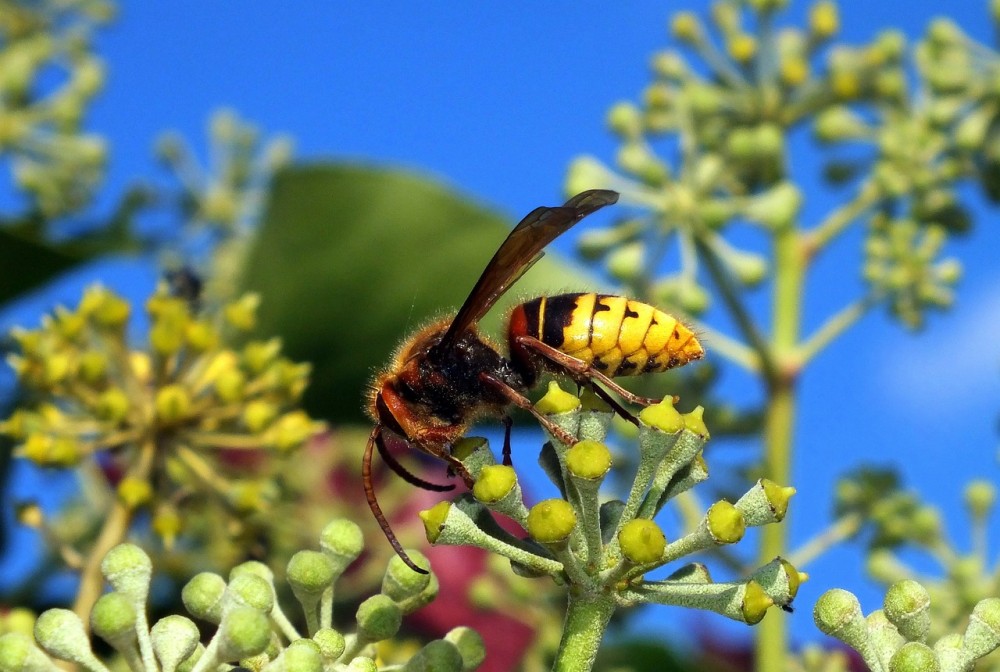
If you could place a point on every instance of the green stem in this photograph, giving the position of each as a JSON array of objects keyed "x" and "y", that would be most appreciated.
[
  {"x": 587, "y": 616},
  {"x": 789, "y": 270}
]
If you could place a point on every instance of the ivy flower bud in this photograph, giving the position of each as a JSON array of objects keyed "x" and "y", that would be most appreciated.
[
  {"x": 907, "y": 607},
  {"x": 438, "y": 655},
  {"x": 494, "y": 483},
  {"x": 434, "y": 519},
  {"x": 243, "y": 632},
  {"x": 378, "y": 618},
  {"x": 694, "y": 422},
  {"x": 113, "y": 619},
  {"x": 201, "y": 336},
  {"x": 362, "y": 664},
  {"x": 258, "y": 414},
  {"x": 60, "y": 633},
  {"x": 302, "y": 655},
  {"x": 129, "y": 571},
  {"x": 557, "y": 401},
  {"x": 642, "y": 541},
  {"x": 134, "y": 492},
  {"x": 174, "y": 639},
  {"x": 625, "y": 120},
  {"x": 980, "y": 497},
  {"x": 686, "y": 27},
  {"x": 331, "y": 644},
  {"x": 249, "y": 590},
  {"x": 93, "y": 367},
  {"x": 755, "y": 604},
  {"x": 309, "y": 574},
  {"x": 290, "y": 431},
  {"x": 824, "y": 19},
  {"x": 202, "y": 596},
  {"x": 112, "y": 405},
  {"x": 725, "y": 523},
  {"x": 18, "y": 653},
  {"x": 742, "y": 47},
  {"x": 173, "y": 404},
  {"x": 242, "y": 313},
  {"x": 914, "y": 657},
  {"x": 470, "y": 646},
  {"x": 342, "y": 541},
  {"x": 167, "y": 524},
  {"x": 766, "y": 502},
  {"x": 983, "y": 632},
  {"x": 589, "y": 460},
  {"x": 400, "y": 582},
  {"x": 662, "y": 416},
  {"x": 838, "y": 613},
  {"x": 551, "y": 521}
]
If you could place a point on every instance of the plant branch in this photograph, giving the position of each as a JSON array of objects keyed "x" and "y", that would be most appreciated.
[{"x": 834, "y": 326}]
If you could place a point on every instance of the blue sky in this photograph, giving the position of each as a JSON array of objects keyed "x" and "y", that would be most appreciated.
[{"x": 496, "y": 99}]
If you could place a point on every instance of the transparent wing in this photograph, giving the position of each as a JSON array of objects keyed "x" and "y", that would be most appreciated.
[{"x": 519, "y": 251}]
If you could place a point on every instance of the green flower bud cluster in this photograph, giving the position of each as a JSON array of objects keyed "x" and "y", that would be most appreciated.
[
  {"x": 964, "y": 578},
  {"x": 163, "y": 410},
  {"x": 897, "y": 638},
  {"x": 250, "y": 627},
  {"x": 607, "y": 547},
  {"x": 903, "y": 265},
  {"x": 229, "y": 199},
  {"x": 48, "y": 77}
]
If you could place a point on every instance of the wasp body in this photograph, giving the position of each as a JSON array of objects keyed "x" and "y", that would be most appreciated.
[{"x": 447, "y": 375}]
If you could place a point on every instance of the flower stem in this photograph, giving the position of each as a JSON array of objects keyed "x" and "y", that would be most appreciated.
[
  {"x": 115, "y": 527},
  {"x": 587, "y": 616},
  {"x": 789, "y": 270}
]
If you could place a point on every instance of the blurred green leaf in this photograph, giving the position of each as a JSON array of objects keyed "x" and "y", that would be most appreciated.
[
  {"x": 350, "y": 260},
  {"x": 28, "y": 263}
]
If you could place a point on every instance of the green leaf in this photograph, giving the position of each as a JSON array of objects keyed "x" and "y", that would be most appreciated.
[
  {"x": 350, "y": 260},
  {"x": 28, "y": 263}
]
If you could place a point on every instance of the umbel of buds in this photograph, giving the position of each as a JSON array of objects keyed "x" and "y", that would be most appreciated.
[
  {"x": 250, "y": 627},
  {"x": 895, "y": 638},
  {"x": 162, "y": 411},
  {"x": 603, "y": 550}
]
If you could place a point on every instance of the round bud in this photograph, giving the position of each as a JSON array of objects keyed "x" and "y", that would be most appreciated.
[
  {"x": 835, "y": 611},
  {"x": 725, "y": 523},
  {"x": 642, "y": 541},
  {"x": 756, "y": 602},
  {"x": 129, "y": 571},
  {"x": 173, "y": 403},
  {"x": 303, "y": 655},
  {"x": 249, "y": 590},
  {"x": 174, "y": 639},
  {"x": 551, "y": 520},
  {"x": 331, "y": 643},
  {"x": 663, "y": 416},
  {"x": 310, "y": 573},
  {"x": 244, "y": 632},
  {"x": 378, "y": 618},
  {"x": 470, "y": 646},
  {"x": 437, "y": 656},
  {"x": 113, "y": 618},
  {"x": 342, "y": 541},
  {"x": 400, "y": 582},
  {"x": 556, "y": 401},
  {"x": 590, "y": 460},
  {"x": 202, "y": 596},
  {"x": 914, "y": 657},
  {"x": 494, "y": 483}
]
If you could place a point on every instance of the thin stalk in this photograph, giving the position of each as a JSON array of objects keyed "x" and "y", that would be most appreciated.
[
  {"x": 843, "y": 528},
  {"x": 837, "y": 324},
  {"x": 587, "y": 616},
  {"x": 112, "y": 533},
  {"x": 771, "y": 646}
]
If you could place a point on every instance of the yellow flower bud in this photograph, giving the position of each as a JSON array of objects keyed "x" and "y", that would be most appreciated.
[
  {"x": 824, "y": 19},
  {"x": 642, "y": 541},
  {"x": 663, "y": 416},
  {"x": 173, "y": 403},
  {"x": 134, "y": 492},
  {"x": 242, "y": 313},
  {"x": 588, "y": 459},
  {"x": 434, "y": 518},
  {"x": 112, "y": 405},
  {"x": 291, "y": 430},
  {"x": 725, "y": 523},
  {"x": 756, "y": 602},
  {"x": 556, "y": 400},
  {"x": 494, "y": 482},
  {"x": 551, "y": 520},
  {"x": 258, "y": 414}
]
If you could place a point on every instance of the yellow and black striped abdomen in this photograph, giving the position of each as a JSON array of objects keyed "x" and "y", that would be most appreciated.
[{"x": 618, "y": 336}]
